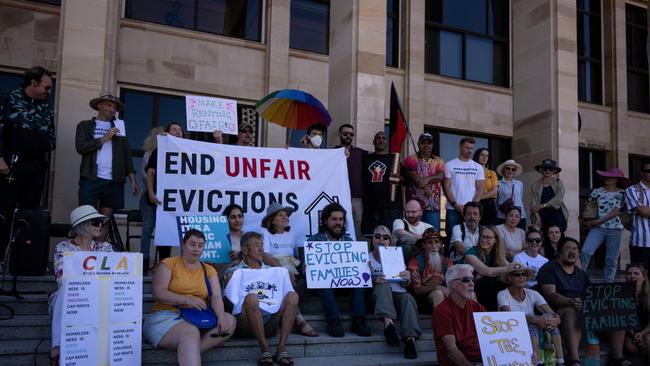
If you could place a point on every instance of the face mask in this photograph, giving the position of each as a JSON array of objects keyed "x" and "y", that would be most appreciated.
[{"x": 316, "y": 141}]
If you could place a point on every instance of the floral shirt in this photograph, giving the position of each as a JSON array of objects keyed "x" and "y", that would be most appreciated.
[
  {"x": 608, "y": 201},
  {"x": 424, "y": 168},
  {"x": 69, "y": 246}
]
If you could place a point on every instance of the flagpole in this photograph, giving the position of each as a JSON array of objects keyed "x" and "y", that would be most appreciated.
[{"x": 393, "y": 186}]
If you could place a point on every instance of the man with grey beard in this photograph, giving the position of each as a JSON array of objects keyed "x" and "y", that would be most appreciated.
[
  {"x": 465, "y": 235},
  {"x": 428, "y": 269}
]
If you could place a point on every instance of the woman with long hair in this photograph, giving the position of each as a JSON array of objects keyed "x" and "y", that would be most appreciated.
[
  {"x": 490, "y": 186},
  {"x": 488, "y": 258},
  {"x": 552, "y": 237},
  {"x": 513, "y": 237}
]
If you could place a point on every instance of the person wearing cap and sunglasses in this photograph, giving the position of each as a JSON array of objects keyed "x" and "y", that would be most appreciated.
[
  {"x": 454, "y": 330},
  {"x": 105, "y": 157},
  {"x": 547, "y": 198},
  {"x": 86, "y": 229},
  {"x": 608, "y": 226}
]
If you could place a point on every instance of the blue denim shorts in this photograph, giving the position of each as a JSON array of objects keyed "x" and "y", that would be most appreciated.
[{"x": 158, "y": 324}]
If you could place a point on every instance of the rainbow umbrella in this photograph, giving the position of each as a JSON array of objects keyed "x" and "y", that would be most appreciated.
[{"x": 293, "y": 109}]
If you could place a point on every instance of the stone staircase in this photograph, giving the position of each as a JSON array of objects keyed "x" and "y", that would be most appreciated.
[{"x": 25, "y": 339}]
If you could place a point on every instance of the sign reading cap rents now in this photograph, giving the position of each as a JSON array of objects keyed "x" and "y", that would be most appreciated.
[
  {"x": 503, "y": 337},
  {"x": 205, "y": 114}
]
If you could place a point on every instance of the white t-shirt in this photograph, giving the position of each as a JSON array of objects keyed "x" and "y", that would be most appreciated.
[
  {"x": 532, "y": 300},
  {"x": 532, "y": 263},
  {"x": 376, "y": 270},
  {"x": 105, "y": 152},
  {"x": 471, "y": 238},
  {"x": 418, "y": 229},
  {"x": 463, "y": 176},
  {"x": 270, "y": 285},
  {"x": 283, "y": 244},
  {"x": 514, "y": 242}
]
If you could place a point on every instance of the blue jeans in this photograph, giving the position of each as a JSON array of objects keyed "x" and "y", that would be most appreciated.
[
  {"x": 331, "y": 309},
  {"x": 453, "y": 218},
  {"x": 432, "y": 218},
  {"x": 612, "y": 239},
  {"x": 148, "y": 224}
]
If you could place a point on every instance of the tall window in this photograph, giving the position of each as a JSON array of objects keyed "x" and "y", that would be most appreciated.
[
  {"x": 589, "y": 55},
  {"x": 637, "y": 59},
  {"x": 310, "y": 25},
  {"x": 392, "y": 33},
  {"x": 233, "y": 18},
  {"x": 468, "y": 39},
  {"x": 51, "y": 2}
]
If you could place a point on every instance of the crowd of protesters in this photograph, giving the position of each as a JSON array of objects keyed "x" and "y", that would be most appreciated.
[{"x": 500, "y": 250}]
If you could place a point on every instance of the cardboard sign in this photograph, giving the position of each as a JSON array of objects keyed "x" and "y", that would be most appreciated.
[
  {"x": 205, "y": 114},
  {"x": 337, "y": 264},
  {"x": 609, "y": 306},
  {"x": 504, "y": 338},
  {"x": 215, "y": 228}
]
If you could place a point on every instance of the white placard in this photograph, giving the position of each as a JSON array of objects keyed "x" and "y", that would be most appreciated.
[
  {"x": 125, "y": 344},
  {"x": 504, "y": 338},
  {"x": 78, "y": 346},
  {"x": 337, "y": 264},
  {"x": 205, "y": 114},
  {"x": 392, "y": 262},
  {"x": 126, "y": 300},
  {"x": 120, "y": 126},
  {"x": 80, "y": 301}
]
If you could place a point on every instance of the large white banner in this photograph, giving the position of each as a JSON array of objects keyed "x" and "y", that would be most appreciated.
[{"x": 201, "y": 178}]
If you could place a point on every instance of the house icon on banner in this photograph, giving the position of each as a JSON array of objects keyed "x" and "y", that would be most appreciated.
[{"x": 314, "y": 209}]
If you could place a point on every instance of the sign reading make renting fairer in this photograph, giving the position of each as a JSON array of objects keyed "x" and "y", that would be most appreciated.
[
  {"x": 504, "y": 338},
  {"x": 610, "y": 306},
  {"x": 205, "y": 114},
  {"x": 200, "y": 178},
  {"x": 337, "y": 264},
  {"x": 102, "y": 309}
]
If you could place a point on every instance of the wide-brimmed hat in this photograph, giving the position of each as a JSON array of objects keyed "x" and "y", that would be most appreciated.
[
  {"x": 621, "y": 180},
  {"x": 548, "y": 163},
  {"x": 517, "y": 267},
  {"x": 82, "y": 214},
  {"x": 273, "y": 209},
  {"x": 429, "y": 233},
  {"x": 425, "y": 137},
  {"x": 510, "y": 162},
  {"x": 106, "y": 96}
]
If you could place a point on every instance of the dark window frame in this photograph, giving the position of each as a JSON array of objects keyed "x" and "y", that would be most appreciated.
[
  {"x": 645, "y": 108},
  {"x": 48, "y": 2},
  {"x": 394, "y": 15},
  {"x": 464, "y": 33},
  {"x": 588, "y": 59},
  {"x": 634, "y": 166},
  {"x": 195, "y": 27},
  {"x": 327, "y": 31}
]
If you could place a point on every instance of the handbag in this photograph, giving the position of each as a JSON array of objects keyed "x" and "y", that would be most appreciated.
[
  {"x": 509, "y": 203},
  {"x": 590, "y": 212},
  {"x": 626, "y": 217},
  {"x": 202, "y": 319}
]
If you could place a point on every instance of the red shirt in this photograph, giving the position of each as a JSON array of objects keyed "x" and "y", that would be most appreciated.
[{"x": 450, "y": 319}]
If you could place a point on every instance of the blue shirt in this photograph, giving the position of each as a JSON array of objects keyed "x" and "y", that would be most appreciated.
[{"x": 505, "y": 191}]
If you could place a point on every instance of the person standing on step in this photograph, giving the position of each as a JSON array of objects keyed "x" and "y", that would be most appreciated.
[
  {"x": 355, "y": 158},
  {"x": 637, "y": 198},
  {"x": 147, "y": 210}
]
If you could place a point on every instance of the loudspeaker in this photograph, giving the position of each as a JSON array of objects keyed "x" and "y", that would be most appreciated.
[{"x": 30, "y": 243}]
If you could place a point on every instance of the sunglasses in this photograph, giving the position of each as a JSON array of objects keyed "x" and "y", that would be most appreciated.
[
  {"x": 246, "y": 130},
  {"x": 509, "y": 169},
  {"x": 549, "y": 169},
  {"x": 465, "y": 279},
  {"x": 97, "y": 222},
  {"x": 384, "y": 236},
  {"x": 518, "y": 274},
  {"x": 351, "y": 134},
  {"x": 535, "y": 240}
]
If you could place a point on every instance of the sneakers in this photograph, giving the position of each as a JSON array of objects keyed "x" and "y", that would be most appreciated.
[
  {"x": 409, "y": 349},
  {"x": 335, "y": 329},
  {"x": 391, "y": 335},
  {"x": 359, "y": 326}
]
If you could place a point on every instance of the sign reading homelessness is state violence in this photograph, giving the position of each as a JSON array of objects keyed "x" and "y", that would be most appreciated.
[
  {"x": 200, "y": 178},
  {"x": 337, "y": 264},
  {"x": 609, "y": 306}
]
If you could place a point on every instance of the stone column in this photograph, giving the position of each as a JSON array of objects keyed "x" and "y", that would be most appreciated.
[
  {"x": 357, "y": 68},
  {"x": 544, "y": 79},
  {"x": 86, "y": 35},
  {"x": 277, "y": 60},
  {"x": 414, "y": 63}
]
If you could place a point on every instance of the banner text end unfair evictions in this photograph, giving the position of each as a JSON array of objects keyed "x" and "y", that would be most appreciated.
[{"x": 198, "y": 178}]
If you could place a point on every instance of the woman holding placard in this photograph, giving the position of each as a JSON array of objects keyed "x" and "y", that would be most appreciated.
[
  {"x": 390, "y": 294},
  {"x": 518, "y": 298},
  {"x": 638, "y": 343},
  {"x": 188, "y": 296},
  {"x": 86, "y": 227}
]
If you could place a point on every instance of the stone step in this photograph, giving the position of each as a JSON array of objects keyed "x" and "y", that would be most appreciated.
[{"x": 38, "y": 326}]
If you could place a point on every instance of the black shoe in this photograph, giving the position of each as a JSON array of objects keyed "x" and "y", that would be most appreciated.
[
  {"x": 359, "y": 326},
  {"x": 335, "y": 329},
  {"x": 391, "y": 335},
  {"x": 409, "y": 349}
]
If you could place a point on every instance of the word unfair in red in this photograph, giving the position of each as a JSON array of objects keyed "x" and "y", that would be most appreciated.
[{"x": 236, "y": 166}]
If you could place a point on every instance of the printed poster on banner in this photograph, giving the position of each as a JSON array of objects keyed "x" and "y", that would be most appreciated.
[
  {"x": 205, "y": 114},
  {"x": 102, "y": 308},
  {"x": 215, "y": 227},
  {"x": 337, "y": 264},
  {"x": 199, "y": 178},
  {"x": 504, "y": 338},
  {"x": 610, "y": 306}
]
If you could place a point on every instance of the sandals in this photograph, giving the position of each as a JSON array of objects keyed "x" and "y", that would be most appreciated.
[
  {"x": 266, "y": 359},
  {"x": 310, "y": 332},
  {"x": 283, "y": 358}
]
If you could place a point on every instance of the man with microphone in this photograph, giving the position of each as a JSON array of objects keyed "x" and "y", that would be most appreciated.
[{"x": 105, "y": 157}]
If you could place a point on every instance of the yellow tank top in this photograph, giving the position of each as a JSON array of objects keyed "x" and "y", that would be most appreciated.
[{"x": 184, "y": 281}]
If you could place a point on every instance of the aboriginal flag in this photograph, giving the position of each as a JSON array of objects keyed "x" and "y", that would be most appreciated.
[{"x": 398, "y": 127}]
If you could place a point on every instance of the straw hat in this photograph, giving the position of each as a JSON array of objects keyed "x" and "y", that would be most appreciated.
[
  {"x": 273, "y": 209},
  {"x": 82, "y": 214},
  {"x": 108, "y": 96},
  {"x": 517, "y": 267},
  {"x": 510, "y": 162}
]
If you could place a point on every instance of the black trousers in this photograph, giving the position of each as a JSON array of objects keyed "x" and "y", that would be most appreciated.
[{"x": 22, "y": 189}]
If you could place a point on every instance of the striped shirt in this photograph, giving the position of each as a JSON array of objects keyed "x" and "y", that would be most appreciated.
[{"x": 635, "y": 196}]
